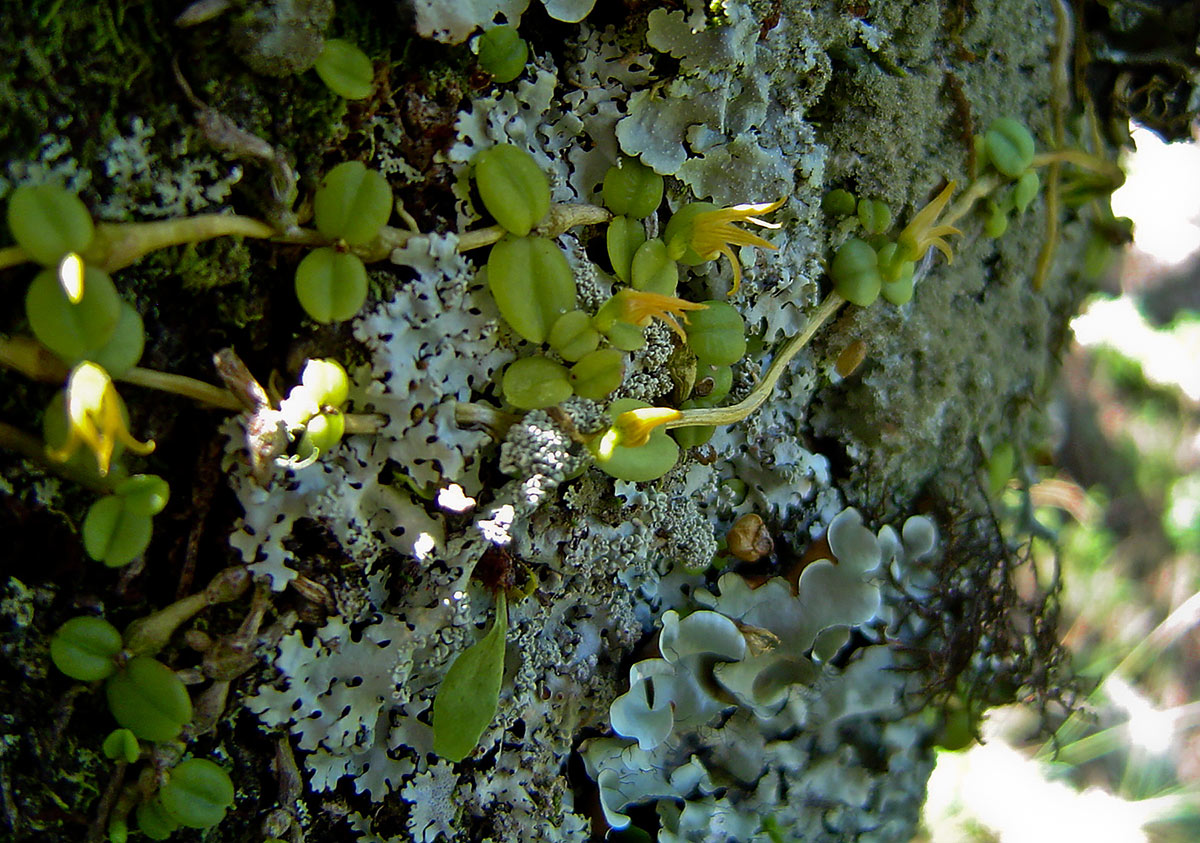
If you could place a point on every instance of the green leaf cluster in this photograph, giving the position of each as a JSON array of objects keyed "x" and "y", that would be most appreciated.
[
  {"x": 73, "y": 309},
  {"x": 503, "y": 53},
  {"x": 117, "y": 527},
  {"x": 351, "y": 207}
]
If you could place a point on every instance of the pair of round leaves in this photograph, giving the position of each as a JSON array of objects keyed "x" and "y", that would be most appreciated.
[
  {"x": 874, "y": 215},
  {"x": 99, "y": 326},
  {"x": 533, "y": 383},
  {"x": 503, "y": 53},
  {"x": 513, "y": 188},
  {"x": 532, "y": 284},
  {"x": 196, "y": 794},
  {"x": 117, "y": 528},
  {"x": 641, "y": 263},
  {"x": 1009, "y": 146},
  {"x": 860, "y": 273},
  {"x": 352, "y": 205},
  {"x": 48, "y": 221},
  {"x": 717, "y": 334}
]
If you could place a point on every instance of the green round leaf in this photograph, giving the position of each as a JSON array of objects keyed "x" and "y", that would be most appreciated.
[
  {"x": 513, "y": 187},
  {"x": 124, "y": 348},
  {"x": 143, "y": 494},
  {"x": 996, "y": 223},
  {"x": 625, "y": 336},
  {"x": 197, "y": 793},
  {"x": 1027, "y": 188},
  {"x": 535, "y": 382},
  {"x": 121, "y": 744},
  {"x": 855, "y": 272},
  {"x": 84, "y": 647},
  {"x": 326, "y": 382},
  {"x": 532, "y": 284},
  {"x": 352, "y": 203},
  {"x": 149, "y": 699},
  {"x": 1001, "y": 465},
  {"x": 73, "y": 330},
  {"x": 717, "y": 335},
  {"x": 623, "y": 238},
  {"x": 48, "y": 221},
  {"x": 345, "y": 69},
  {"x": 874, "y": 215},
  {"x": 1010, "y": 147},
  {"x": 652, "y": 269},
  {"x": 713, "y": 383},
  {"x": 573, "y": 336},
  {"x": 331, "y": 285},
  {"x": 900, "y": 291},
  {"x": 322, "y": 433},
  {"x": 598, "y": 373},
  {"x": 632, "y": 189},
  {"x": 114, "y": 535},
  {"x": 153, "y": 821},
  {"x": 503, "y": 53},
  {"x": 642, "y": 464},
  {"x": 839, "y": 202}
]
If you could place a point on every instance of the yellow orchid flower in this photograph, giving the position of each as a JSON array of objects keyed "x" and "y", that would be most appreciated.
[
  {"x": 712, "y": 232},
  {"x": 922, "y": 232},
  {"x": 632, "y": 428},
  {"x": 637, "y": 307},
  {"x": 95, "y": 418}
]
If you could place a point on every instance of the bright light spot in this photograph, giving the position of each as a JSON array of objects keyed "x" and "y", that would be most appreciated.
[
  {"x": 424, "y": 546},
  {"x": 454, "y": 499},
  {"x": 496, "y": 529},
  {"x": 994, "y": 786},
  {"x": 70, "y": 276},
  {"x": 1149, "y": 728},
  {"x": 1165, "y": 213},
  {"x": 1167, "y": 357},
  {"x": 459, "y": 595}
]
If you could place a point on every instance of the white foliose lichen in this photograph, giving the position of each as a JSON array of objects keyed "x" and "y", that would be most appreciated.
[{"x": 738, "y": 731}]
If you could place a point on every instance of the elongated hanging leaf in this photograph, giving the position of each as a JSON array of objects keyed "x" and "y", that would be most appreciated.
[{"x": 467, "y": 700}]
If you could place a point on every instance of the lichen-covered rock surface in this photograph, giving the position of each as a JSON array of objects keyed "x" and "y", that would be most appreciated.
[{"x": 652, "y": 676}]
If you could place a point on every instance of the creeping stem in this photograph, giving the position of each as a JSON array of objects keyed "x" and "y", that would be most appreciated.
[
  {"x": 762, "y": 390},
  {"x": 32, "y": 359}
]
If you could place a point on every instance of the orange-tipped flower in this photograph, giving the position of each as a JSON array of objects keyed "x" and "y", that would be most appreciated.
[
  {"x": 95, "y": 418},
  {"x": 922, "y": 232},
  {"x": 638, "y": 307},
  {"x": 713, "y": 233}
]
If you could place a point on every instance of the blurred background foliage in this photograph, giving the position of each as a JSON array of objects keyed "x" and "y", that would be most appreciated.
[{"x": 1116, "y": 487}]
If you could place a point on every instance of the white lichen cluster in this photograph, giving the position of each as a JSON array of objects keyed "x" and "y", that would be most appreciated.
[{"x": 746, "y": 713}]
